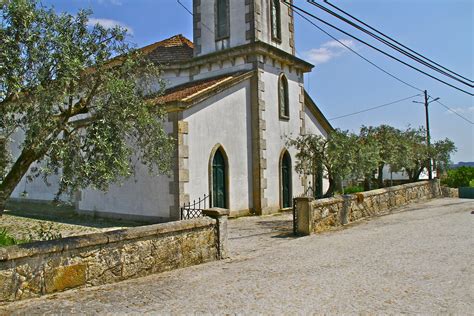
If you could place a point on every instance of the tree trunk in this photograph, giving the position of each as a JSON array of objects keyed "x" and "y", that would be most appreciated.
[
  {"x": 332, "y": 187},
  {"x": 18, "y": 170},
  {"x": 380, "y": 176}
]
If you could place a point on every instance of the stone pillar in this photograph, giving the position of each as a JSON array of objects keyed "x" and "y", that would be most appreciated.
[
  {"x": 304, "y": 215},
  {"x": 221, "y": 215},
  {"x": 343, "y": 216}
]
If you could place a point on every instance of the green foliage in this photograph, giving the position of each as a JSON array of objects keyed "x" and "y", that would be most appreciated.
[
  {"x": 459, "y": 177},
  {"x": 353, "y": 189},
  {"x": 78, "y": 95},
  {"x": 346, "y": 156},
  {"x": 342, "y": 155},
  {"x": 6, "y": 239}
]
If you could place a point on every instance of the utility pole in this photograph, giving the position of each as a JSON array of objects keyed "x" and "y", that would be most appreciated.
[{"x": 428, "y": 139}]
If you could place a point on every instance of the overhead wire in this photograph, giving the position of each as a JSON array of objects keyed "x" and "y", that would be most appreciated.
[
  {"x": 388, "y": 43},
  {"x": 374, "y": 108},
  {"x": 455, "y": 112},
  {"x": 375, "y": 48},
  {"x": 395, "y": 41},
  {"x": 357, "y": 53}
]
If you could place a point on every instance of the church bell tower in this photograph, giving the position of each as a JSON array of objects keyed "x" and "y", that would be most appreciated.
[{"x": 223, "y": 24}]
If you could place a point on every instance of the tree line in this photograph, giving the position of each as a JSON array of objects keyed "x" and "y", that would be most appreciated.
[{"x": 344, "y": 155}]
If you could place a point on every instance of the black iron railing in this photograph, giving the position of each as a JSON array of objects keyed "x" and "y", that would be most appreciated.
[{"x": 194, "y": 209}]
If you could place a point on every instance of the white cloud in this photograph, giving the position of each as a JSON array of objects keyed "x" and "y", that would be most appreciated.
[
  {"x": 114, "y": 2},
  {"x": 109, "y": 23},
  {"x": 328, "y": 51}
]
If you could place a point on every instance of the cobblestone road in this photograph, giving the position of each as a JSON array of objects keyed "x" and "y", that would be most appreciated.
[{"x": 418, "y": 260}]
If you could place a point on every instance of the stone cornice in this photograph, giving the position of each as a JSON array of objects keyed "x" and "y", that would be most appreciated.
[{"x": 251, "y": 49}]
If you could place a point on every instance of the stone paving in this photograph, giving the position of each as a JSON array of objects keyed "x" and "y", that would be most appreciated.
[{"x": 418, "y": 260}]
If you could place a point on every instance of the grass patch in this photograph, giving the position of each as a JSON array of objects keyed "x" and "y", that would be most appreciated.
[{"x": 6, "y": 239}]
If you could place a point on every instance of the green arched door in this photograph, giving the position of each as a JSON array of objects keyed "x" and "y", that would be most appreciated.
[
  {"x": 286, "y": 180},
  {"x": 219, "y": 180}
]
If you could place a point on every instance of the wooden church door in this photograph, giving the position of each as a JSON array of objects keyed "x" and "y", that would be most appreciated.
[{"x": 218, "y": 180}]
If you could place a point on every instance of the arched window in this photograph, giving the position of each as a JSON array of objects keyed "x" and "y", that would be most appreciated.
[
  {"x": 276, "y": 19},
  {"x": 285, "y": 180},
  {"x": 283, "y": 97},
  {"x": 218, "y": 178},
  {"x": 222, "y": 19}
]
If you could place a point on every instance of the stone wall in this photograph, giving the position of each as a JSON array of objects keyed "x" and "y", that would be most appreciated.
[
  {"x": 449, "y": 192},
  {"x": 325, "y": 214},
  {"x": 34, "y": 269}
]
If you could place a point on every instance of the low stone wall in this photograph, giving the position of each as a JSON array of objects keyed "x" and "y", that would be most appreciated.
[
  {"x": 450, "y": 192},
  {"x": 31, "y": 270},
  {"x": 321, "y": 215}
]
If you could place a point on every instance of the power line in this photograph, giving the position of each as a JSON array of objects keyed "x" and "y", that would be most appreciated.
[
  {"x": 374, "y": 108},
  {"x": 378, "y": 49},
  {"x": 395, "y": 41},
  {"x": 192, "y": 14},
  {"x": 453, "y": 111},
  {"x": 391, "y": 45},
  {"x": 355, "y": 52}
]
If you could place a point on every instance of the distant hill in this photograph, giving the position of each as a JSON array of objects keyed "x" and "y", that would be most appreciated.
[{"x": 463, "y": 164}]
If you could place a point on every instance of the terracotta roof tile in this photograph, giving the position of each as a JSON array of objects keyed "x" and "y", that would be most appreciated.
[
  {"x": 187, "y": 91},
  {"x": 174, "y": 49}
]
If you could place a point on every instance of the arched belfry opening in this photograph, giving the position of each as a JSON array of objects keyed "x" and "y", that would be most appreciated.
[
  {"x": 285, "y": 180},
  {"x": 219, "y": 178}
]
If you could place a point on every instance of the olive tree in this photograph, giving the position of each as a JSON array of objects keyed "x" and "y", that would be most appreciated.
[
  {"x": 76, "y": 95},
  {"x": 341, "y": 155}
]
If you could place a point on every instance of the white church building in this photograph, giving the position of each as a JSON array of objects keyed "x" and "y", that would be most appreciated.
[{"x": 234, "y": 96}]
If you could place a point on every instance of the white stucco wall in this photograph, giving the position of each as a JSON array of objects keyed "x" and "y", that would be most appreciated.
[
  {"x": 142, "y": 195},
  {"x": 36, "y": 189},
  {"x": 278, "y": 130},
  {"x": 222, "y": 119}
]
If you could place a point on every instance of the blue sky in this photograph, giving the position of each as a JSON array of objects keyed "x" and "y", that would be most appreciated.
[{"x": 341, "y": 82}]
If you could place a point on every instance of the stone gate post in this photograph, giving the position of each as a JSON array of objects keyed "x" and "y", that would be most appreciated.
[
  {"x": 221, "y": 215},
  {"x": 304, "y": 215}
]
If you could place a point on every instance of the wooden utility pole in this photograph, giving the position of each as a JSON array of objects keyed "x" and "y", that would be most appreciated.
[
  {"x": 430, "y": 171},
  {"x": 428, "y": 139}
]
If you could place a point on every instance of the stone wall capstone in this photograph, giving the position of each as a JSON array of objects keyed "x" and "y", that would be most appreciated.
[{"x": 31, "y": 270}]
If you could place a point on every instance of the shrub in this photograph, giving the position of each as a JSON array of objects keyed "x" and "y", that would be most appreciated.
[
  {"x": 6, "y": 239},
  {"x": 353, "y": 189},
  {"x": 459, "y": 177}
]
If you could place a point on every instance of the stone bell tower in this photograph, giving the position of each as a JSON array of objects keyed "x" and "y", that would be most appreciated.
[{"x": 222, "y": 24}]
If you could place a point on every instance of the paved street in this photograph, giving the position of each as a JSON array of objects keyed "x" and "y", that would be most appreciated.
[{"x": 417, "y": 260}]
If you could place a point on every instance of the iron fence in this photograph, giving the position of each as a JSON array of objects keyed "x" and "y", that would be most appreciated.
[{"x": 194, "y": 209}]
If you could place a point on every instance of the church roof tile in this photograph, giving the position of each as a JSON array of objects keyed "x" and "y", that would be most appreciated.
[
  {"x": 174, "y": 49},
  {"x": 191, "y": 90}
]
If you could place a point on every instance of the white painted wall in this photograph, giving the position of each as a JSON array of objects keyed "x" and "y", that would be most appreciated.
[
  {"x": 36, "y": 189},
  {"x": 222, "y": 119},
  {"x": 277, "y": 131},
  {"x": 142, "y": 195}
]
